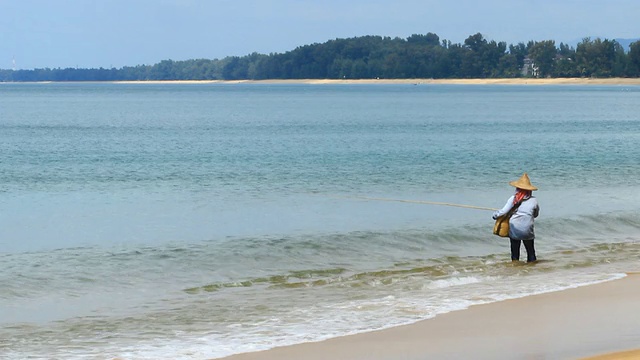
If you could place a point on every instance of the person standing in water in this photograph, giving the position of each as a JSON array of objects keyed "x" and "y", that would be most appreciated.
[{"x": 521, "y": 222}]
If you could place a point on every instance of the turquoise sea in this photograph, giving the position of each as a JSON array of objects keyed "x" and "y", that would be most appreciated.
[{"x": 145, "y": 221}]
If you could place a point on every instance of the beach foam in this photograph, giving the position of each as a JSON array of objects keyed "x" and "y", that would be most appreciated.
[{"x": 559, "y": 325}]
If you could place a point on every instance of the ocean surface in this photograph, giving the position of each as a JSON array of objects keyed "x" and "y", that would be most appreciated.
[{"x": 146, "y": 221}]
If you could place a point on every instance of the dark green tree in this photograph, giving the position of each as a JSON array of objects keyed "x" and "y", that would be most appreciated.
[
  {"x": 600, "y": 58},
  {"x": 633, "y": 66},
  {"x": 543, "y": 54},
  {"x": 520, "y": 52}
]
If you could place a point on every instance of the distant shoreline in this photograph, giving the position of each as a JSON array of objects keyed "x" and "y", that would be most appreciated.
[
  {"x": 516, "y": 81},
  {"x": 501, "y": 81}
]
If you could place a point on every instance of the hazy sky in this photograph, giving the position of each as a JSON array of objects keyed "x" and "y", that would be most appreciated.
[{"x": 116, "y": 33}]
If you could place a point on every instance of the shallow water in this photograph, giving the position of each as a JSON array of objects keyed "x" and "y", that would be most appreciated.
[{"x": 198, "y": 221}]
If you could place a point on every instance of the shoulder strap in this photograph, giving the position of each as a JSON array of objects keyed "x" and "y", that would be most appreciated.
[{"x": 515, "y": 208}]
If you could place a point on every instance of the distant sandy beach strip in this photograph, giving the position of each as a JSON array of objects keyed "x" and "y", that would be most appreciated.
[
  {"x": 559, "y": 81},
  {"x": 596, "y": 322}
]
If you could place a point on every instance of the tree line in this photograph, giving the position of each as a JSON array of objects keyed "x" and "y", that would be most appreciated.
[{"x": 369, "y": 57}]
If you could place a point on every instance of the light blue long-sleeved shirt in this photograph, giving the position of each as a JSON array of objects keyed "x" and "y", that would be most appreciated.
[{"x": 521, "y": 222}]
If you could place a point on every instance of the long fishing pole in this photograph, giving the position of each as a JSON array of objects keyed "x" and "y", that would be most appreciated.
[{"x": 423, "y": 202}]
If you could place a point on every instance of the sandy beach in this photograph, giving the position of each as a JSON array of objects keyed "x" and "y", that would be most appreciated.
[
  {"x": 599, "y": 321},
  {"x": 520, "y": 81}
]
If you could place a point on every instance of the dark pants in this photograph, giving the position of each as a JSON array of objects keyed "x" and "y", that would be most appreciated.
[{"x": 528, "y": 245}]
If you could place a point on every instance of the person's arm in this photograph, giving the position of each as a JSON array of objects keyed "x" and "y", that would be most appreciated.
[{"x": 504, "y": 209}]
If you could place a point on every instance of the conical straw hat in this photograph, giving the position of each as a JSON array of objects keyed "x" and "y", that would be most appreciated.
[{"x": 523, "y": 183}]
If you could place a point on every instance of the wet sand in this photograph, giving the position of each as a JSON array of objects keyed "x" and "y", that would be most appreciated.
[{"x": 572, "y": 324}]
